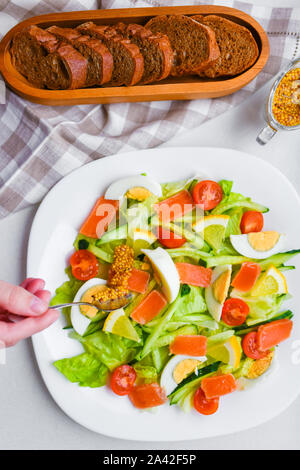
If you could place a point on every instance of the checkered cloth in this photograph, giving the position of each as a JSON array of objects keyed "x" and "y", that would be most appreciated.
[{"x": 39, "y": 144}]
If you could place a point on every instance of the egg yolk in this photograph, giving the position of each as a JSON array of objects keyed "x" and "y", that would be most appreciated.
[
  {"x": 138, "y": 193},
  {"x": 220, "y": 286},
  {"x": 184, "y": 368},
  {"x": 88, "y": 296},
  {"x": 263, "y": 241}
]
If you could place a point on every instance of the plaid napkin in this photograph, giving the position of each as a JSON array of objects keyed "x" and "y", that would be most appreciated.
[{"x": 39, "y": 144}]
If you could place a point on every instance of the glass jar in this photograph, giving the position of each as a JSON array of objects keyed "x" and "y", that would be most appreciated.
[{"x": 273, "y": 125}]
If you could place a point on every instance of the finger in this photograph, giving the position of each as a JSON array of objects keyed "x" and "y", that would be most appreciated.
[
  {"x": 17, "y": 300},
  {"x": 4, "y": 317},
  {"x": 44, "y": 295},
  {"x": 25, "y": 282},
  {"x": 11, "y": 333},
  {"x": 34, "y": 285}
]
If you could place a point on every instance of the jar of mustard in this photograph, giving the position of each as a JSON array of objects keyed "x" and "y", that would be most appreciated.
[{"x": 283, "y": 103}]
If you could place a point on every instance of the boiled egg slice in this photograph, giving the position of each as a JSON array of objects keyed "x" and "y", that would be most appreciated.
[
  {"x": 210, "y": 220},
  {"x": 137, "y": 187},
  {"x": 80, "y": 321},
  {"x": 258, "y": 245},
  {"x": 165, "y": 268},
  {"x": 177, "y": 369},
  {"x": 216, "y": 293}
]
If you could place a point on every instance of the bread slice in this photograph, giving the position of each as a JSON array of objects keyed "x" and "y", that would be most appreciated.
[
  {"x": 155, "y": 48},
  {"x": 46, "y": 62},
  {"x": 194, "y": 44},
  {"x": 237, "y": 46},
  {"x": 29, "y": 47},
  {"x": 128, "y": 61},
  {"x": 64, "y": 69},
  {"x": 99, "y": 59}
]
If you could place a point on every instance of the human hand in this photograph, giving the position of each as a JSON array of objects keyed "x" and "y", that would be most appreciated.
[{"x": 24, "y": 310}]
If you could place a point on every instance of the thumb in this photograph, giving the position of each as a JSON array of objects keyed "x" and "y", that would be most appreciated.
[{"x": 17, "y": 300}]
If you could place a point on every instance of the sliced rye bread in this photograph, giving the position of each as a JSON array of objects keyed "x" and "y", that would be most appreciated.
[
  {"x": 46, "y": 62},
  {"x": 99, "y": 59},
  {"x": 128, "y": 61},
  {"x": 195, "y": 48},
  {"x": 64, "y": 69},
  {"x": 155, "y": 48},
  {"x": 237, "y": 46},
  {"x": 29, "y": 47}
]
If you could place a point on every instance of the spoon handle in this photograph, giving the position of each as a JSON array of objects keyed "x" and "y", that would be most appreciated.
[{"x": 70, "y": 305}]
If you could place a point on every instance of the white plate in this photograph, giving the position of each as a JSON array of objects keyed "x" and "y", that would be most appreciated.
[{"x": 53, "y": 232}]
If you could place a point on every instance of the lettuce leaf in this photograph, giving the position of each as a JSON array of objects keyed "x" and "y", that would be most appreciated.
[
  {"x": 261, "y": 308},
  {"x": 191, "y": 303},
  {"x": 236, "y": 200},
  {"x": 226, "y": 186},
  {"x": 169, "y": 189},
  {"x": 233, "y": 226},
  {"x": 85, "y": 369},
  {"x": 110, "y": 349},
  {"x": 66, "y": 293}
]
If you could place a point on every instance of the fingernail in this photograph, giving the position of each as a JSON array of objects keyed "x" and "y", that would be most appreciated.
[{"x": 38, "y": 306}]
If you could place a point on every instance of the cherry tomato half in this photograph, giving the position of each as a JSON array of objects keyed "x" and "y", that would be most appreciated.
[
  {"x": 122, "y": 380},
  {"x": 250, "y": 346},
  {"x": 84, "y": 265},
  {"x": 252, "y": 221},
  {"x": 207, "y": 194},
  {"x": 170, "y": 239},
  {"x": 234, "y": 312},
  {"x": 204, "y": 405}
]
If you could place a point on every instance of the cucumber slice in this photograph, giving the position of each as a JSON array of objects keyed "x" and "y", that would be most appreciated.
[
  {"x": 192, "y": 381},
  {"x": 119, "y": 233},
  {"x": 242, "y": 330}
]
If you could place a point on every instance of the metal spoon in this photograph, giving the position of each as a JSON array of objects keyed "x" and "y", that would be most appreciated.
[{"x": 70, "y": 304}]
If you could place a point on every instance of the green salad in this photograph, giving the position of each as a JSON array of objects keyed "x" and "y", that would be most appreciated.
[{"x": 186, "y": 293}]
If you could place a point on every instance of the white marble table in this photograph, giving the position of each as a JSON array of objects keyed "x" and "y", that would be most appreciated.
[{"x": 29, "y": 418}]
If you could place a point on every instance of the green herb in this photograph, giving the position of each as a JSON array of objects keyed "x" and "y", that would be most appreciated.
[
  {"x": 83, "y": 244},
  {"x": 185, "y": 289}
]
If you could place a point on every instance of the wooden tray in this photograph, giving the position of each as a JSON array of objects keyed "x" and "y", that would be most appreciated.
[{"x": 185, "y": 88}]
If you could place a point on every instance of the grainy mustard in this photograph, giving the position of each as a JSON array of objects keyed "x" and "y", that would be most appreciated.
[
  {"x": 286, "y": 101},
  {"x": 119, "y": 274}
]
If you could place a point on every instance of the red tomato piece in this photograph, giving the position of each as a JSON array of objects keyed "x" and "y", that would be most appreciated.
[
  {"x": 175, "y": 206},
  {"x": 191, "y": 345},
  {"x": 218, "y": 385},
  {"x": 252, "y": 221},
  {"x": 250, "y": 346},
  {"x": 147, "y": 396},
  {"x": 234, "y": 312},
  {"x": 170, "y": 239},
  {"x": 149, "y": 307},
  {"x": 204, "y": 405},
  {"x": 207, "y": 194},
  {"x": 273, "y": 333},
  {"x": 84, "y": 265},
  {"x": 194, "y": 275},
  {"x": 99, "y": 218},
  {"x": 122, "y": 380},
  {"x": 138, "y": 281},
  {"x": 246, "y": 277}
]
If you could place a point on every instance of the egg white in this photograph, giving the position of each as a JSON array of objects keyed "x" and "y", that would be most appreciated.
[
  {"x": 166, "y": 269},
  {"x": 167, "y": 380},
  {"x": 117, "y": 189},
  {"x": 78, "y": 320},
  {"x": 241, "y": 244},
  {"x": 213, "y": 306}
]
